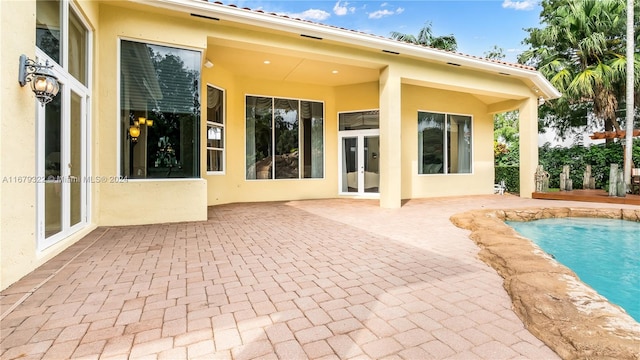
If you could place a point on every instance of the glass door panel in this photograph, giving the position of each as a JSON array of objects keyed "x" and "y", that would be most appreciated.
[
  {"x": 52, "y": 167},
  {"x": 350, "y": 165},
  {"x": 360, "y": 162},
  {"x": 62, "y": 196},
  {"x": 77, "y": 48},
  {"x": 371, "y": 164},
  {"x": 75, "y": 164}
]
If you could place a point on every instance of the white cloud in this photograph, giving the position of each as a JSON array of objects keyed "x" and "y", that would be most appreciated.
[
  {"x": 311, "y": 14},
  {"x": 342, "y": 8},
  {"x": 519, "y": 5},
  {"x": 382, "y": 13}
]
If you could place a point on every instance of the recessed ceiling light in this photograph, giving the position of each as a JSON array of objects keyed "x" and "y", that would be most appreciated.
[
  {"x": 334, "y": 72},
  {"x": 267, "y": 62}
]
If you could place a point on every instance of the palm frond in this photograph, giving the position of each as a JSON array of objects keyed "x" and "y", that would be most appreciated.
[
  {"x": 583, "y": 84},
  {"x": 403, "y": 37}
]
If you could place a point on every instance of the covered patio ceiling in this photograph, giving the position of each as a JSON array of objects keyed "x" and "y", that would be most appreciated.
[{"x": 272, "y": 63}]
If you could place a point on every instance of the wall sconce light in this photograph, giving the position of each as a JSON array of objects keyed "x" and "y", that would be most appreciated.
[
  {"x": 134, "y": 132},
  {"x": 208, "y": 64},
  {"x": 43, "y": 83},
  {"x": 540, "y": 101}
]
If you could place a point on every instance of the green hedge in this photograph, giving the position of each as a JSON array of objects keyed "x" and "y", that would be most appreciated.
[
  {"x": 511, "y": 177},
  {"x": 600, "y": 157}
]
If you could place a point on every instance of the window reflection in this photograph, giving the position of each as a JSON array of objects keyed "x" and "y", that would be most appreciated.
[
  {"x": 159, "y": 83},
  {"x": 48, "y": 28},
  {"x": 215, "y": 129},
  {"x": 444, "y": 143},
  {"x": 282, "y": 136}
]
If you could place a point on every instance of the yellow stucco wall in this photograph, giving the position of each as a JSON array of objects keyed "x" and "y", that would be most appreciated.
[
  {"x": 139, "y": 201},
  {"x": 232, "y": 186},
  {"x": 18, "y": 245},
  {"x": 480, "y": 181}
]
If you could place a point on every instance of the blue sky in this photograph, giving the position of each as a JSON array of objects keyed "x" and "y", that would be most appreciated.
[{"x": 477, "y": 25}]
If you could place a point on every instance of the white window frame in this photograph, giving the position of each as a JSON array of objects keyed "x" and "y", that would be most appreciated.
[
  {"x": 223, "y": 129},
  {"x": 119, "y": 108},
  {"x": 301, "y": 159},
  {"x": 359, "y": 135},
  {"x": 445, "y": 143},
  {"x": 68, "y": 84}
]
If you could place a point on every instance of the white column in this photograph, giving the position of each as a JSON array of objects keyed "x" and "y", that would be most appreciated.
[
  {"x": 528, "y": 146},
  {"x": 390, "y": 139},
  {"x": 628, "y": 150}
]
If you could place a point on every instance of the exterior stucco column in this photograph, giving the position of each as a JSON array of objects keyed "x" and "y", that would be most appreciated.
[
  {"x": 18, "y": 145},
  {"x": 390, "y": 139},
  {"x": 528, "y": 146}
]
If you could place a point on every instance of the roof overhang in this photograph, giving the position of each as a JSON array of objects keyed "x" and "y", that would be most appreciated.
[{"x": 541, "y": 86}]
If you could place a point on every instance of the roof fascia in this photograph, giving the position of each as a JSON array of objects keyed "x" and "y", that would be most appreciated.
[{"x": 230, "y": 13}]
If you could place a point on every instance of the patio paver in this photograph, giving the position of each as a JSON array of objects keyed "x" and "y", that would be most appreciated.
[{"x": 303, "y": 279}]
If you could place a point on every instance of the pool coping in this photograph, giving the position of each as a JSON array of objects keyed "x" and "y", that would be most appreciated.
[{"x": 553, "y": 303}]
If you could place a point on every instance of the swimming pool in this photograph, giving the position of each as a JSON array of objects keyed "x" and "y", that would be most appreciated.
[{"x": 604, "y": 253}]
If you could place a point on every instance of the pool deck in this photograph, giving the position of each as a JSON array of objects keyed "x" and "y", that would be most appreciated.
[
  {"x": 320, "y": 279},
  {"x": 593, "y": 196}
]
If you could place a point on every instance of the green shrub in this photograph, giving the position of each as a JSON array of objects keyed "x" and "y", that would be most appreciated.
[
  {"x": 511, "y": 177},
  {"x": 600, "y": 157}
]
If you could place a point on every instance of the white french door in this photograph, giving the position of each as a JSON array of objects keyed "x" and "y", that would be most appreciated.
[
  {"x": 62, "y": 154},
  {"x": 359, "y": 172}
]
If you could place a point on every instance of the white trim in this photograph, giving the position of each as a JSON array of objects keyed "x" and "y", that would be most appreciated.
[
  {"x": 445, "y": 144},
  {"x": 354, "y": 133},
  {"x": 88, "y": 44},
  {"x": 119, "y": 139},
  {"x": 324, "y": 140},
  {"x": 353, "y": 38},
  {"x": 161, "y": 43},
  {"x": 68, "y": 85},
  {"x": 359, "y": 135},
  {"x": 351, "y": 112},
  {"x": 224, "y": 133},
  {"x": 118, "y": 108}
]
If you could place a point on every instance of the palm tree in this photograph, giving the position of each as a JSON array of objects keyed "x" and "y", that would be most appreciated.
[
  {"x": 425, "y": 37},
  {"x": 496, "y": 53},
  {"x": 582, "y": 53}
]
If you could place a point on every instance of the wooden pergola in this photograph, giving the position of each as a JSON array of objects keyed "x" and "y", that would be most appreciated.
[{"x": 613, "y": 134}]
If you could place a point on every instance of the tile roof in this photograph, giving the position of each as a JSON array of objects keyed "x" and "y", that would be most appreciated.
[{"x": 499, "y": 62}]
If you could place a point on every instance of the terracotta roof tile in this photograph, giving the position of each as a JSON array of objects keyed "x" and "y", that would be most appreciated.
[{"x": 500, "y": 62}]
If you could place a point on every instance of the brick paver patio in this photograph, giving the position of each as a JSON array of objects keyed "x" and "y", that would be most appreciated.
[{"x": 320, "y": 279}]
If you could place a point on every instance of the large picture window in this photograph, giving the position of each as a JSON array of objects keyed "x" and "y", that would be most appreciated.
[
  {"x": 215, "y": 129},
  {"x": 444, "y": 143},
  {"x": 284, "y": 138},
  {"x": 160, "y": 111}
]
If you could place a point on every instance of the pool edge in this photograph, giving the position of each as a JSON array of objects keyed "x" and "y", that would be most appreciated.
[{"x": 555, "y": 306}]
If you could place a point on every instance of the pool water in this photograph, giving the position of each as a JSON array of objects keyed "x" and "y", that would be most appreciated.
[{"x": 604, "y": 253}]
